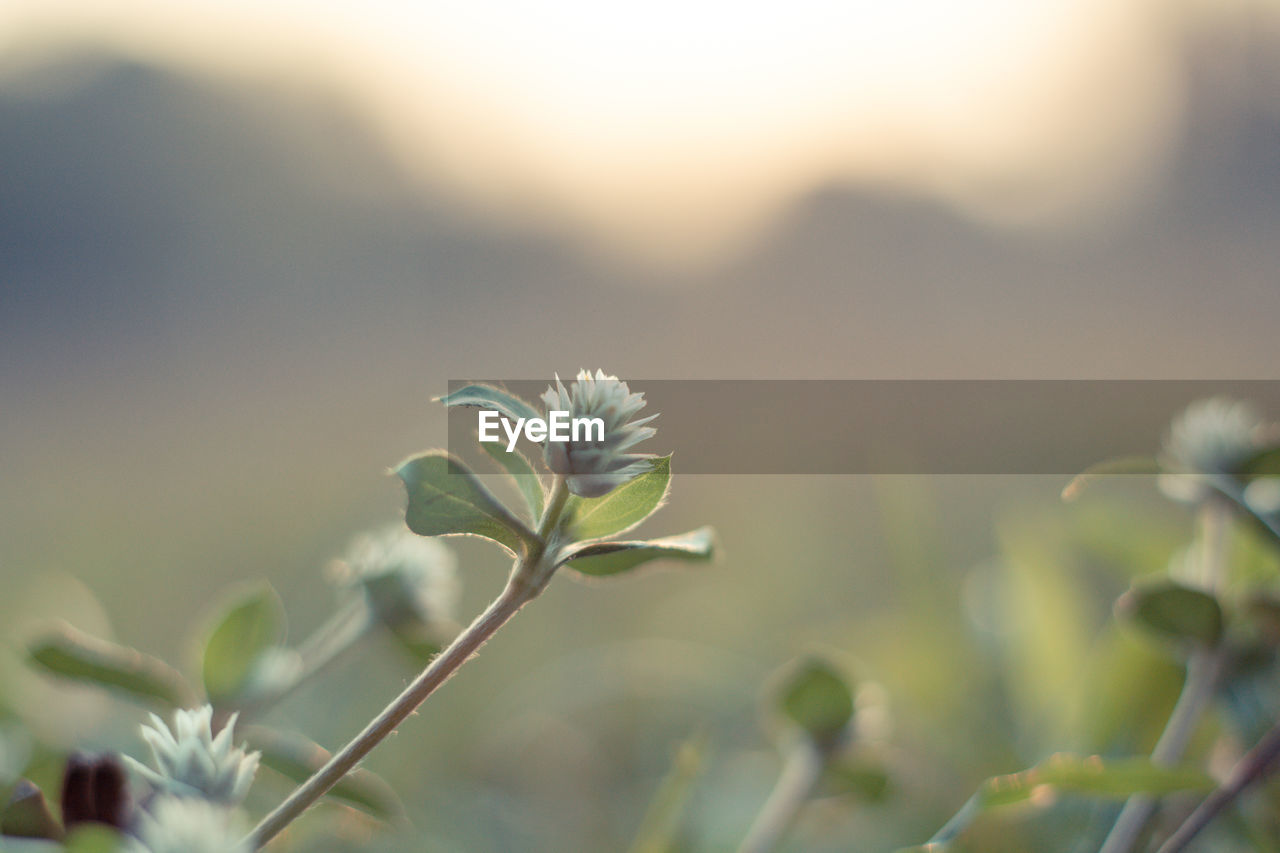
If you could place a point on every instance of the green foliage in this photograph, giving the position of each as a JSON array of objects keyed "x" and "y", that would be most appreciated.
[
  {"x": 72, "y": 654},
  {"x": 815, "y": 696},
  {"x": 445, "y": 498},
  {"x": 250, "y": 625},
  {"x": 604, "y": 559},
  {"x": 526, "y": 478},
  {"x": 27, "y": 815},
  {"x": 296, "y": 758},
  {"x": 1174, "y": 611},
  {"x": 488, "y": 397},
  {"x": 621, "y": 509},
  {"x": 1069, "y": 774},
  {"x": 93, "y": 838}
]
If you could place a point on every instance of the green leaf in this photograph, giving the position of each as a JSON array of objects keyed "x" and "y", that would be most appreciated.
[
  {"x": 816, "y": 697},
  {"x": 488, "y": 397},
  {"x": 866, "y": 780},
  {"x": 27, "y": 815},
  {"x": 94, "y": 838},
  {"x": 1072, "y": 774},
  {"x": 78, "y": 656},
  {"x": 446, "y": 498},
  {"x": 251, "y": 624},
  {"x": 602, "y": 559},
  {"x": 297, "y": 758},
  {"x": 1265, "y": 463},
  {"x": 1112, "y": 467},
  {"x": 621, "y": 509},
  {"x": 1173, "y": 610},
  {"x": 527, "y": 480}
]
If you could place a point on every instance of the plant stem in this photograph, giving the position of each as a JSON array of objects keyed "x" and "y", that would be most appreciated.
[
  {"x": 1255, "y": 765},
  {"x": 1204, "y": 666},
  {"x": 528, "y": 577},
  {"x": 800, "y": 773}
]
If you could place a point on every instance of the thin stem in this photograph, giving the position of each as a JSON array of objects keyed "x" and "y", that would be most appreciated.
[
  {"x": 1204, "y": 667},
  {"x": 800, "y": 773},
  {"x": 528, "y": 577},
  {"x": 1253, "y": 767}
]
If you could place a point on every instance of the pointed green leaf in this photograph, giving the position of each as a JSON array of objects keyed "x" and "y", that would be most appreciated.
[
  {"x": 1087, "y": 775},
  {"x": 446, "y": 498},
  {"x": 1109, "y": 468},
  {"x": 27, "y": 815},
  {"x": 815, "y": 696},
  {"x": 527, "y": 480},
  {"x": 76, "y": 655},
  {"x": 1173, "y": 610},
  {"x": 621, "y": 509},
  {"x": 297, "y": 758},
  {"x": 488, "y": 397},
  {"x": 602, "y": 559},
  {"x": 249, "y": 626}
]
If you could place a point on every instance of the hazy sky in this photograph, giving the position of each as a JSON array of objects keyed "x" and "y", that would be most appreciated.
[{"x": 678, "y": 129}]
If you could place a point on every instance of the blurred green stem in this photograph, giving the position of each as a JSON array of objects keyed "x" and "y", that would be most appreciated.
[
  {"x": 528, "y": 578},
  {"x": 800, "y": 773},
  {"x": 1255, "y": 766},
  {"x": 1204, "y": 667}
]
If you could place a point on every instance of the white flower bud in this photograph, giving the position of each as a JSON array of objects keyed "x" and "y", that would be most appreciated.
[
  {"x": 177, "y": 825},
  {"x": 191, "y": 762},
  {"x": 597, "y": 467},
  {"x": 407, "y": 581},
  {"x": 1210, "y": 438}
]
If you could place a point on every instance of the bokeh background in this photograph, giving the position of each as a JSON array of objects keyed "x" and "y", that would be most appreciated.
[{"x": 242, "y": 245}]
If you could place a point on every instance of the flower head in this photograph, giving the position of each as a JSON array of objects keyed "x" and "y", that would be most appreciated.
[
  {"x": 176, "y": 825},
  {"x": 407, "y": 581},
  {"x": 191, "y": 762},
  {"x": 1210, "y": 438},
  {"x": 592, "y": 468}
]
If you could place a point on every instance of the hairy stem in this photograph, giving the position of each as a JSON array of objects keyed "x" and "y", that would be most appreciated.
[
  {"x": 528, "y": 577},
  {"x": 1204, "y": 667},
  {"x": 800, "y": 773},
  {"x": 1253, "y": 767}
]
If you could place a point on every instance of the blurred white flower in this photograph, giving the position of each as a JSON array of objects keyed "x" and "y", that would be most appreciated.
[
  {"x": 191, "y": 762},
  {"x": 595, "y": 468},
  {"x": 1210, "y": 438},
  {"x": 406, "y": 580},
  {"x": 177, "y": 825}
]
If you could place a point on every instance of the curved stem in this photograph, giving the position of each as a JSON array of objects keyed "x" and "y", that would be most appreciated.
[
  {"x": 528, "y": 577},
  {"x": 1204, "y": 667},
  {"x": 1255, "y": 766},
  {"x": 800, "y": 774}
]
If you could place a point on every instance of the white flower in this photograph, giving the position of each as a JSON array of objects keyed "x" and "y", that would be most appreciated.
[
  {"x": 176, "y": 825},
  {"x": 595, "y": 468},
  {"x": 1210, "y": 438},
  {"x": 191, "y": 762},
  {"x": 406, "y": 580}
]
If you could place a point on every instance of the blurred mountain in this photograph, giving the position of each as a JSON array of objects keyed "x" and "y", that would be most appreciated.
[{"x": 152, "y": 215}]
